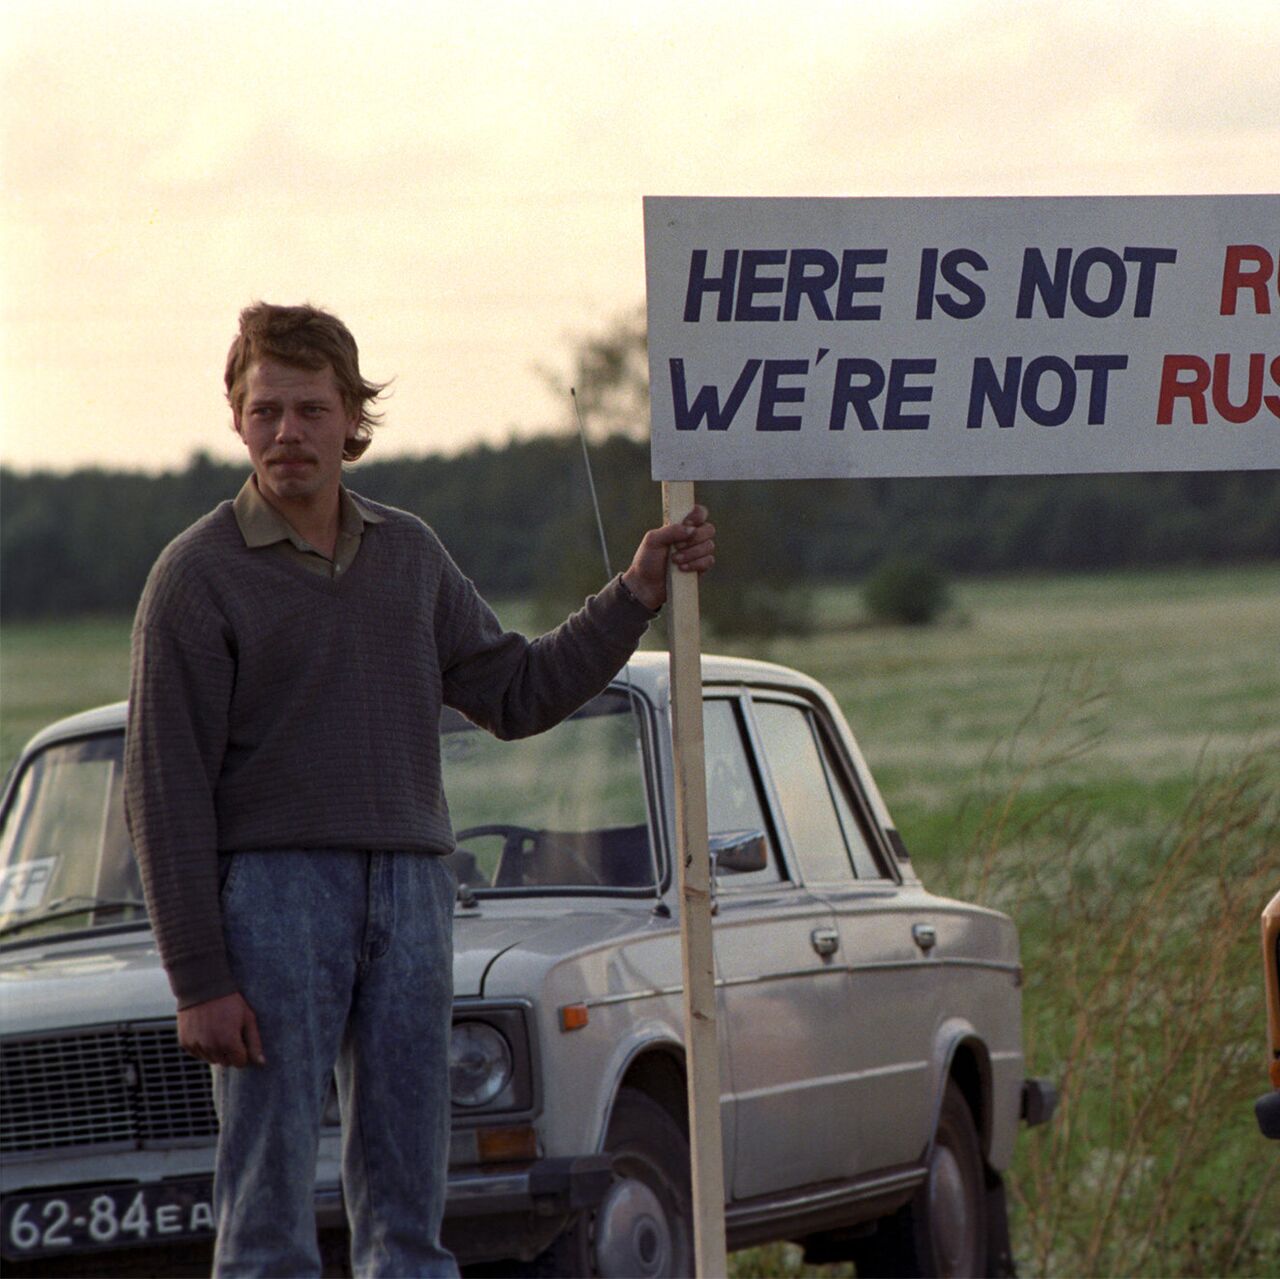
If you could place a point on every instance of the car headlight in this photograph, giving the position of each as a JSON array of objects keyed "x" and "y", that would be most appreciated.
[{"x": 480, "y": 1064}]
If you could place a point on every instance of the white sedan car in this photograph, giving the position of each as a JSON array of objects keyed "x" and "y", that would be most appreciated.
[{"x": 871, "y": 1064}]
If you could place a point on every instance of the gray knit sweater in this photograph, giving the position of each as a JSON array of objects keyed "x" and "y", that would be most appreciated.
[{"x": 273, "y": 708}]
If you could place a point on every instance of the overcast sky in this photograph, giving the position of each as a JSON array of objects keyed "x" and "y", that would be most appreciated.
[{"x": 462, "y": 183}]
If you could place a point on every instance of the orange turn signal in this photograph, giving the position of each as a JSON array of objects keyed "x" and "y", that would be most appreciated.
[
  {"x": 574, "y": 1016},
  {"x": 506, "y": 1145}
]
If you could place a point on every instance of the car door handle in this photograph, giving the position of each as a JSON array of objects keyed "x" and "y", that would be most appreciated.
[
  {"x": 925, "y": 935},
  {"x": 826, "y": 941}
]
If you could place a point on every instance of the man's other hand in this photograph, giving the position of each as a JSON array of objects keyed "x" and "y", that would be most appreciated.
[
  {"x": 691, "y": 545},
  {"x": 223, "y": 1032}
]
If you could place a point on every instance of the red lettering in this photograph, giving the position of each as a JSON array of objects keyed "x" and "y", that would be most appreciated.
[
  {"x": 1173, "y": 386},
  {"x": 1189, "y": 377},
  {"x": 1252, "y": 402},
  {"x": 1235, "y": 278}
]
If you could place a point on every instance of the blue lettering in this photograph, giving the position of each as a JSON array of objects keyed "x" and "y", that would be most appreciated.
[
  {"x": 1000, "y": 393},
  {"x": 802, "y": 284},
  {"x": 1036, "y": 279},
  {"x": 975, "y": 297},
  {"x": 745, "y": 278},
  {"x": 900, "y": 393},
  {"x": 771, "y": 395},
  {"x": 1147, "y": 260},
  {"x": 1110, "y": 303},
  {"x": 859, "y": 397},
  {"x": 1004, "y": 394},
  {"x": 1051, "y": 414},
  {"x": 706, "y": 404},
  {"x": 850, "y": 284},
  {"x": 1099, "y": 368},
  {"x": 1091, "y": 266},
  {"x": 859, "y": 381},
  {"x": 750, "y": 283},
  {"x": 700, "y": 284},
  {"x": 924, "y": 290}
]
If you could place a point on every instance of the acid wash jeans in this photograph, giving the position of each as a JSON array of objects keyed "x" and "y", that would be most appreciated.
[{"x": 346, "y": 959}]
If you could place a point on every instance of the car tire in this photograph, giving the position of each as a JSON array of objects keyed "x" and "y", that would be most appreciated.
[
  {"x": 643, "y": 1229},
  {"x": 943, "y": 1230}
]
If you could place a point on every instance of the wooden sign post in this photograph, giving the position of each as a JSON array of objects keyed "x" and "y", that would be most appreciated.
[{"x": 694, "y": 863}]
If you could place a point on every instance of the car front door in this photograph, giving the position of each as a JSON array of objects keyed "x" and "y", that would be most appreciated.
[{"x": 782, "y": 996}]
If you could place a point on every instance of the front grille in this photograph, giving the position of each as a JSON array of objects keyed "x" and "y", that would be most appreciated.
[
  {"x": 120, "y": 1086},
  {"x": 174, "y": 1096}
]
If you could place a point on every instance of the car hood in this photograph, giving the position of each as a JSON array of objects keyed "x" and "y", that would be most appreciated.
[
  {"x": 90, "y": 980},
  {"x": 541, "y": 935},
  {"x": 83, "y": 982}
]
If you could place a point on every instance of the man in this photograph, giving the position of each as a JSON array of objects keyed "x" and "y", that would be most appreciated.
[{"x": 291, "y": 655}]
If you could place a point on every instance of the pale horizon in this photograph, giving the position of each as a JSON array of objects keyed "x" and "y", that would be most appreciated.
[{"x": 464, "y": 187}]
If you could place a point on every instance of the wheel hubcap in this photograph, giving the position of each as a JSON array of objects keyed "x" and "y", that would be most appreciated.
[{"x": 632, "y": 1235}]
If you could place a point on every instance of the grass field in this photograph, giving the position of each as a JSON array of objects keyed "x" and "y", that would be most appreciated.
[{"x": 1099, "y": 755}]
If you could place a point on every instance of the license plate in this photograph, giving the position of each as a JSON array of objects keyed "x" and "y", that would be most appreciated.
[{"x": 87, "y": 1218}]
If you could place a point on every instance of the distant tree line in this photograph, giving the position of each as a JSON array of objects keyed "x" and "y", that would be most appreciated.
[{"x": 518, "y": 520}]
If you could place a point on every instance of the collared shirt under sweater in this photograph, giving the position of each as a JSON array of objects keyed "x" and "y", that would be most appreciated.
[{"x": 272, "y": 707}]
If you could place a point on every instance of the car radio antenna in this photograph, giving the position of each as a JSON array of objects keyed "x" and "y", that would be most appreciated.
[
  {"x": 591, "y": 482},
  {"x": 660, "y": 907}
]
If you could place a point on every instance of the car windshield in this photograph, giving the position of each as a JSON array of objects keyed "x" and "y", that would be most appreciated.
[
  {"x": 66, "y": 863},
  {"x": 564, "y": 809}
]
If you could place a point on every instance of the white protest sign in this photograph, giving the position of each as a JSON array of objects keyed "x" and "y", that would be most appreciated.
[{"x": 807, "y": 338}]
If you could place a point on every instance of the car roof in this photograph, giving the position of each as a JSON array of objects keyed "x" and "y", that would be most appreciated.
[
  {"x": 102, "y": 719},
  {"x": 648, "y": 672},
  {"x": 651, "y": 673}
]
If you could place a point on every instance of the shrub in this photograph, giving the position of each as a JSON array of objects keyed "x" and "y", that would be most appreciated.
[
  {"x": 757, "y": 610},
  {"x": 906, "y": 590}
]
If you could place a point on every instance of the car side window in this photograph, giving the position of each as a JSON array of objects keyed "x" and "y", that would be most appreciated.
[
  {"x": 865, "y": 863},
  {"x": 800, "y": 782},
  {"x": 733, "y": 794},
  {"x": 828, "y": 839}
]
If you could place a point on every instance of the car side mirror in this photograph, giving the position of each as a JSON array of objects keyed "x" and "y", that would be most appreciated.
[{"x": 738, "y": 852}]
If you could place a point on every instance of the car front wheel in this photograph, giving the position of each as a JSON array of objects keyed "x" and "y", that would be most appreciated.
[{"x": 643, "y": 1229}]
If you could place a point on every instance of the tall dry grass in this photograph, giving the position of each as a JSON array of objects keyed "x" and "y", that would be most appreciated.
[{"x": 1143, "y": 1002}]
